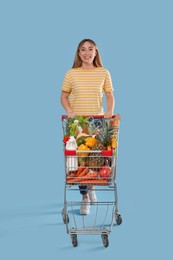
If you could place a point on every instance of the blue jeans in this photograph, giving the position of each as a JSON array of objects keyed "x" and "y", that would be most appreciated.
[{"x": 83, "y": 190}]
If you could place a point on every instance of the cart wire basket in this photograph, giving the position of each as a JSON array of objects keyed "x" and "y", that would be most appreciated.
[{"x": 91, "y": 162}]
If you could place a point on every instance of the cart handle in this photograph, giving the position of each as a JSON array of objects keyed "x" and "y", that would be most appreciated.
[
  {"x": 75, "y": 152},
  {"x": 101, "y": 116}
]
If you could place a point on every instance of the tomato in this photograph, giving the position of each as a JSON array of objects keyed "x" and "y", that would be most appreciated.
[{"x": 105, "y": 171}]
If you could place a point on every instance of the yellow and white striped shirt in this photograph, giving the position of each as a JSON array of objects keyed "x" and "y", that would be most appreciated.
[{"x": 86, "y": 89}]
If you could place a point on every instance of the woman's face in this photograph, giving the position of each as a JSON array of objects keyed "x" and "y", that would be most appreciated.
[{"x": 87, "y": 53}]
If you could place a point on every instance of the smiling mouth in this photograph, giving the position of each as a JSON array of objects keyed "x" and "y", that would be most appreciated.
[{"x": 87, "y": 58}]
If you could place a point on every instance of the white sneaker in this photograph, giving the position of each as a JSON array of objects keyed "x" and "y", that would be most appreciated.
[
  {"x": 85, "y": 207},
  {"x": 92, "y": 196}
]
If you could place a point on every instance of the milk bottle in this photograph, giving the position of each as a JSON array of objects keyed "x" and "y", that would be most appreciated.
[{"x": 72, "y": 161}]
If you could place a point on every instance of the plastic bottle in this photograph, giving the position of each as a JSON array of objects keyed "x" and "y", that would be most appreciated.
[
  {"x": 72, "y": 161},
  {"x": 79, "y": 128}
]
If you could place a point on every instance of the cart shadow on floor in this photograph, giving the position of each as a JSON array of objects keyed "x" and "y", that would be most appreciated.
[
  {"x": 31, "y": 215},
  {"x": 74, "y": 211}
]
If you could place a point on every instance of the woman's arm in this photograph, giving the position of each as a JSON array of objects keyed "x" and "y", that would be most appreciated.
[
  {"x": 65, "y": 103},
  {"x": 110, "y": 104}
]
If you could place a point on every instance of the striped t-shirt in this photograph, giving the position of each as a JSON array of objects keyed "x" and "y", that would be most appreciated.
[{"x": 86, "y": 89}]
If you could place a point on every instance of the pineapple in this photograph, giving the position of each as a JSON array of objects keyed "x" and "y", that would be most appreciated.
[
  {"x": 115, "y": 122},
  {"x": 94, "y": 160},
  {"x": 104, "y": 134}
]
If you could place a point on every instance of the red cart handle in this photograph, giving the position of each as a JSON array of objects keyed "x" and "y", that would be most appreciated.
[
  {"x": 101, "y": 116},
  {"x": 74, "y": 152}
]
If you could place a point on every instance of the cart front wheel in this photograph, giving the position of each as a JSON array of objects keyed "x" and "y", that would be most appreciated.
[
  {"x": 118, "y": 219},
  {"x": 74, "y": 240},
  {"x": 65, "y": 217},
  {"x": 105, "y": 240}
]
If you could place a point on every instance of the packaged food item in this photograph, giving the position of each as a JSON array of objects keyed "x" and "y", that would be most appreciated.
[{"x": 72, "y": 161}]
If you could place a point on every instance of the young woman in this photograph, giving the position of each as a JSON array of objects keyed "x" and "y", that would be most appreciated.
[{"x": 82, "y": 94}]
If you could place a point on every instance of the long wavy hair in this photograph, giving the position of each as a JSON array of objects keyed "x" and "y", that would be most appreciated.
[{"x": 97, "y": 62}]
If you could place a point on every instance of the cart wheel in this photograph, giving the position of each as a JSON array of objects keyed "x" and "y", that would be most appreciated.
[
  {"x": 74, "y": 240},
  {"x": 118, "y": 219},
  {"x": 65, "y": 217},
  {"x": 105, "y": 240}
]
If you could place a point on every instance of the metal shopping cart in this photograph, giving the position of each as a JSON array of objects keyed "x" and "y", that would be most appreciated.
[{"x": 92, "y": 162}]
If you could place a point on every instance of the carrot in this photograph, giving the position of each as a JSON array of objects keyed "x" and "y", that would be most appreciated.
[
  {"x": 75, "y": 179},
  {"x": 95, "y": 182},
  {"x": 92, "y": 175},
  {"x": 71, "y": 175},
  {"x": 80, "y": 168},
  {"x": 72, "y": 180},
  {"x": 101, "y": 182},
  {"x": 84, "y": 172},
  {"x": 86, "y": 181},
  {"x": 87, "y": 178}
]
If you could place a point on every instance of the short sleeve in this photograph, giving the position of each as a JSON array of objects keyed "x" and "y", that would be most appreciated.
[
  {"x": 66, "y": 86},
  {"x": 108, "y": 87}
]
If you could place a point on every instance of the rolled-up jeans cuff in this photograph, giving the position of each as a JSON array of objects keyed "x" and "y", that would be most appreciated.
[{"x": 83, "y": 190}]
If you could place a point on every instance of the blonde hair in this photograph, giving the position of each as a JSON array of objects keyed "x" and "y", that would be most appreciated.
[{"x": 77, "y": 60}]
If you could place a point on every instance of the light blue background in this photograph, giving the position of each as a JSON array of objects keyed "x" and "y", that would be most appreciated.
[{"x": 38, "y": 40}]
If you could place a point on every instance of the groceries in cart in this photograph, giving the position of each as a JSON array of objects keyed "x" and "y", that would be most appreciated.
[{"x": 90, "y": 147}]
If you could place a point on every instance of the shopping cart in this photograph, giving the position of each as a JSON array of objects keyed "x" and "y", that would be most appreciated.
[{"x": 92, "y": 163}]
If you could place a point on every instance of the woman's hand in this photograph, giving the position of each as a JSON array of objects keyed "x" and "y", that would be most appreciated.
[
  {"x": 110, "y": 104},
  {"x": 108, "y": 114},
  {"x": 71, "y": 114},
  {"x": 66, "y": 105}
]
